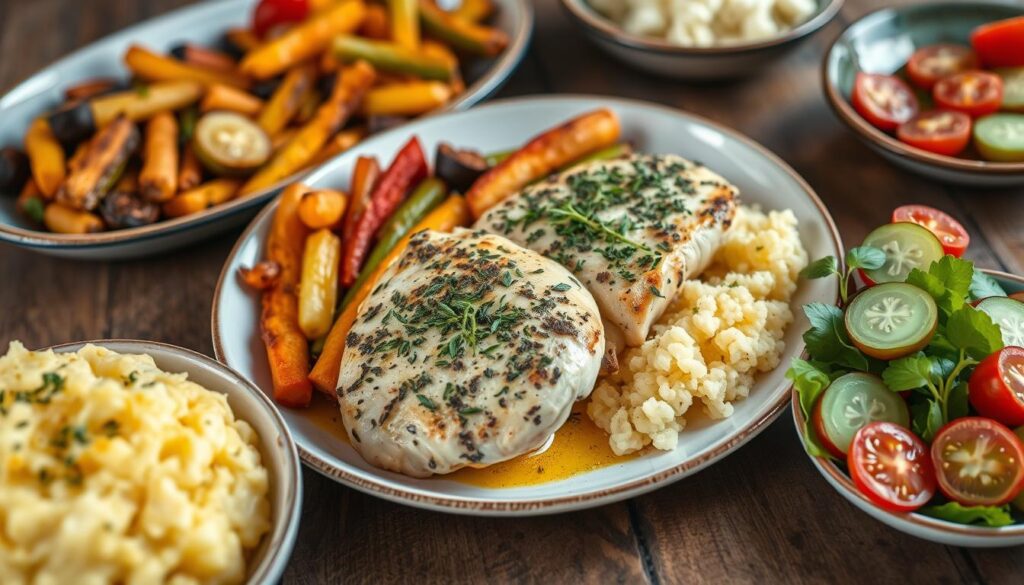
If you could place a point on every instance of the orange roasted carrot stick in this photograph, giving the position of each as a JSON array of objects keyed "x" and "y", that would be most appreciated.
[
  {"x": 287, "y": 349},
  {"x": 451, "y": 214}
]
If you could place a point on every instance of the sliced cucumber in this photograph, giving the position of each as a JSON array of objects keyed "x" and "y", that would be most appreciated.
[
  {"x": 1008, "y": 314},
  {"x": 1000, "y": 137},
  {"x": 906, "y": 246},
  {"x": 1013, "y": 88},
  {"x": 855, "y": 400},
  {"x": 891, "y": 320},
  {"x": 230, "y": 144}
]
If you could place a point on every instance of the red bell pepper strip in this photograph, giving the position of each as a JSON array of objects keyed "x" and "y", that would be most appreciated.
[{"x": 407, "y": 170}]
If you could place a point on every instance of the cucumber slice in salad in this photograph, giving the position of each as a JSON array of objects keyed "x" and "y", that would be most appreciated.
[
  {"x": 1008, "y": 315},
  {"x": 891, "y": 320},
  {"x": 906, "y": 246},
  {"x": 851, "y": 402}
]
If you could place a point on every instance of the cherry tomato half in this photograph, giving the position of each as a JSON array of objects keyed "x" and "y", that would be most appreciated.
[
  {"x": 890, "y": 465},
  {"x": 271, "y": 13},
  {"x": 930, "y": 64},
  {"x": 996, "y": 387},
  {"x": 978, "y": 462},
  {"x": 975, "y": 93},
  {"x": 940, "y": 131},
  {"x": 1001, "y": 43},
  {"x": 951, "y": 234},
  {"x": 884, "y": 101}
]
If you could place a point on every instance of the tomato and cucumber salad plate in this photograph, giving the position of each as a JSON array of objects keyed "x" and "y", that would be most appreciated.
[
  {"x": 912, "y": 387},
  {"x": 954, "y": 100}
]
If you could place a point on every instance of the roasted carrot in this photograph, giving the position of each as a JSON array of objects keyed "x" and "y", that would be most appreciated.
[
  {"x": 286, "y": 99},
  {"x": 352, "y": 84},
  {"x": 158, "y": 180},
  {"x": 405, "y": 25},
  {"x": 243, "y": 38},
  {"x": 84, "y": 90},
  {"x": 62, "y": 219},
  {"x": 474, "y": 10},
  {"x": 282, "y": 138},
  {"x": 322, "y": 208},
  {"x": 411, "y": 98},
  {"x": 449, "y": 215},
  {"x": 287, "y": 347},
  {"x": 153, "y": 67},
  {"x": 318, "y": 288},
  {"x": 365, "y": 175},
  {"x": 304, "y": 41},
  {"x": 204, "y": 57},
  {"x": 98, "y": 170},
  {"x": 202, "y": 197},
  {"x": 341, "y": 142},
  {"x": 541, "y": 156},
  {"x": 376, "y": 23},
  {"x": 46, "y": 157},
  {"x": 225, "y": 97},
  {"x": 190, "y": 173},
  {"x": 307, "y": 109}
]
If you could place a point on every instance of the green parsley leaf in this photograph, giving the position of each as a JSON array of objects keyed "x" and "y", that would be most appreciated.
[
  {"x": 561, "y": 287},
  {"x": 973, "y": 331},
  {"x": 33, "y": 207},
  {"x": 926, "y": 418},
  {"x": 820, "y": 268},
  {"x": 866, "y": 257},
  {"x": 908, "y": 373},
  {"x": 826, "y": 339},
  {"x": 426, "y": 402},
  {"x": 983, "y": 285},
  {"x": 954, "y": 273},
  {"x": 654, "y": 291},
  {"x": 992, "y": 516}
]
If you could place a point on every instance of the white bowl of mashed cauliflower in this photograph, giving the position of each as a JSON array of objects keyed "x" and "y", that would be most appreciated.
[
  {"x": 139, "y": 462},
  {"x": 700, "y": 39}
]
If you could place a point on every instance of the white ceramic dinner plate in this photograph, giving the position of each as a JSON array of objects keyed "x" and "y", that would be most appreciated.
[
  {"x": 762, "y": 178},
  {"x": 203, "y": 23}
]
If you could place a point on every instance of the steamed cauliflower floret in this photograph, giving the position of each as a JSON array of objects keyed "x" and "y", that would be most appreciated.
[
  {"x": 704, "y": 23},
  {"x": 711, "y": 343}
]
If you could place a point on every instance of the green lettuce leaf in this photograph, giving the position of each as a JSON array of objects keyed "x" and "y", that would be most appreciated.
[{"x": 992, "y": 516}]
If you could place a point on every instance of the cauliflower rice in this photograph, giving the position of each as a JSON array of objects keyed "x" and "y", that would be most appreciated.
[{"x": 718, "y": 333}]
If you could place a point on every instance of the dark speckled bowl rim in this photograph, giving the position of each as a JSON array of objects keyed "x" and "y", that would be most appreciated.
[
  {"x": 608, "y": 30},
  {"x": 876, "y": 137},
  {"x": 535, "y": 506},
  {"x": 491, "y": 81},
  {"x": 828, "y": 467}
]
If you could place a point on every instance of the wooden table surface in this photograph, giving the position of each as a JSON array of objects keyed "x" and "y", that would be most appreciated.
[{"x": 762, "y": 514}]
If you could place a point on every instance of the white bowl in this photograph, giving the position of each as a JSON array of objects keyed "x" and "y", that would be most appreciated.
[
  {"x": 267, "y": 563},
  {"x": 202, "y": 23},
  {"x": 698, "y": 63},
  {"x": 761, "y": 177},
  {"x": 918, "y": 525}
]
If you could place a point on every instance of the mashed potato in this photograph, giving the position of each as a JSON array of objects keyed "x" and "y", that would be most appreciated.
[
  {"x": 112, "y": 471},
  {"x": 704, "y": 23},
  {"x": 719, "y": 332}
]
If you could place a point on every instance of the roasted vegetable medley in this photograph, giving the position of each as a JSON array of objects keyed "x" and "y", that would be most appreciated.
[{"x": 203, "y": 125}]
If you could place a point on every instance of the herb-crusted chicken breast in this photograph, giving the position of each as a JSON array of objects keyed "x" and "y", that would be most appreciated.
[
  {"x": 471, "y": 351},
  {"x": 630, "y": 229}
]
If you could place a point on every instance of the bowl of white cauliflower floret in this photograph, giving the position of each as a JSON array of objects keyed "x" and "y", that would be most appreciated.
[{"x": 700, "y": 38}]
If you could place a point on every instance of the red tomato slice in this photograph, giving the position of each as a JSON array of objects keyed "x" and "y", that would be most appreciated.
[
  {"x": 996, "y": 387},
  {"x": 884, "y": 101},
  {"x": 979, "y": 462},
  {"x": 953, "y": 236},
  {"x": 271, "y": 13},
  {"x": 819, "y": 429},
  {"x": 930, "y": 64},
  {"x": 1000, "y": 43},
  {"x": 939, "y": 131},
  {"x": 975, "y": 93},
  {"x": 890, "y": 465}
]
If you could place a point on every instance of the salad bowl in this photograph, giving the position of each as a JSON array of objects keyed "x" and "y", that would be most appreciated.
[
  {"x": 762, "y": 178},
  {"x": 203, "y": 23}
]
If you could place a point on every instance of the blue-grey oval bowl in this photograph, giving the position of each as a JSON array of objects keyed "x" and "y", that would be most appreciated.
[
  {"x": 882, "y": 42},
  {"x": 201, "y": 23},
  {"x": 695, "y": 63}
]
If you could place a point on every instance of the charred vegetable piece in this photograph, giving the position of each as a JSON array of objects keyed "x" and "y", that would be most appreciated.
[
  {"x": 261, "y": 276},
  {"x": 84, "y": 90},
  {"x": 62, "y": 219},
  {"x": 14, "y": 170},
  {"x": 377, "y": 124},
  {"x": 158, "y": 180},
  {"x": 410, "y": 98},
  {"x": 225, "y": 97},
  {"x": 459, "y": 168},
  {"x": 286, "y": 99},
  {"x": 318, "y": 287},
  {"x": 201, "y": 198},
  {"x": 153, "y": 67},
  {"x": 99, "y": 169},
  {"x": 891, "y": 320},
  {"x": 460, "y": 33},
  {"x": 405, "y": 24},
  {"x": 122, "y": 210},
  {"x": 203, "y": 57},
  {"x": 390, "y": 57},
  {"x": 266, "y": 88},
  {"x": 230, "y": 144},
  {"x": 322, "y": 208},
  {"x": 46, "y": 157}
]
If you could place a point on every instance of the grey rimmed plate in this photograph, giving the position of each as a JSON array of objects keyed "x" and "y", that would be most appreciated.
[
  {"x": 201, "y": 23},
  {"x": 761, "y": 176}
]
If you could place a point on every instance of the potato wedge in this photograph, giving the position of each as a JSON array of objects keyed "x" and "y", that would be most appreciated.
[{"x": 46, "y": 157}]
